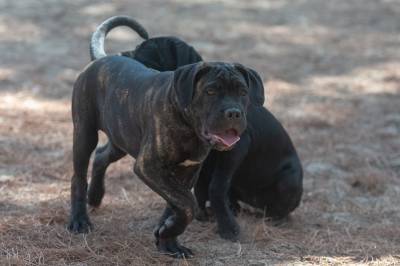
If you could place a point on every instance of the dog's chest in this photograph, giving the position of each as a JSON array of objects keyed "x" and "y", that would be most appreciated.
[
  {"x": 188, "y": 162},
  {"x": 192, "y": 154}
]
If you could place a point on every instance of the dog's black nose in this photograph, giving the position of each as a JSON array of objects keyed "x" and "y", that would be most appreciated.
[{"x": 232, "y": 113}]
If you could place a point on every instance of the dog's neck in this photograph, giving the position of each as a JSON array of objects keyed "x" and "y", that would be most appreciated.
[
  {"x": 182, "y": 114},
  {"x": 177, "y": 130}
]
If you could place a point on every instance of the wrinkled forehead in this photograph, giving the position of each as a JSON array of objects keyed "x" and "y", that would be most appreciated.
[{"x": 223, "y": 75}]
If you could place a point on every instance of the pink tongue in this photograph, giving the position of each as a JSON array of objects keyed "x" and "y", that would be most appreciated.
[{"x": 228, "y": 139}]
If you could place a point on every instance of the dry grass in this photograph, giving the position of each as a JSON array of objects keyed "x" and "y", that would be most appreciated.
[{"x": 333, "y": 80}]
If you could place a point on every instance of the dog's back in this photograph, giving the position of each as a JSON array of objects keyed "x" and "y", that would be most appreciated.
[
  {"x": 108, "y": 83},
  {"x": 121, "y": 70},
  {"x": 270, "y": 149},
  {"x": 164, "y": 53}
]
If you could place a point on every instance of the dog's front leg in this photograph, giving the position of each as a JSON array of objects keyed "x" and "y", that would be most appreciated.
[
  {"x": 225, "y": 167},
  {"x": 175, "y": 189}
]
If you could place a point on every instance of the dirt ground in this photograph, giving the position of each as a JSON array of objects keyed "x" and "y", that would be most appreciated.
[{"x": 332, "y": 76}]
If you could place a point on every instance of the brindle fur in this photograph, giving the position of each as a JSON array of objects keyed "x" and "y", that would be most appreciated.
[{"x": 158, "y": 118}]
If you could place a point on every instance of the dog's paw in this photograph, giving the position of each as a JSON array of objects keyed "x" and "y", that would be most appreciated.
[
  {"x": 172, "y": 248},
  {"x": 229, "y": 232},
  {"x": 80, "y": 225}
]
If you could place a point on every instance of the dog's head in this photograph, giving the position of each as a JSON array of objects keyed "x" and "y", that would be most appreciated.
[{"x": 214, "y": 97}]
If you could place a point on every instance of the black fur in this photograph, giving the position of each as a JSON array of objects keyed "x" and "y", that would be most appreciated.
[{"x": 262, "y": 170}]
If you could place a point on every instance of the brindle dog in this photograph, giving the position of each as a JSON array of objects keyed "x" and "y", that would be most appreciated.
[{"x": 169, "y": 121}]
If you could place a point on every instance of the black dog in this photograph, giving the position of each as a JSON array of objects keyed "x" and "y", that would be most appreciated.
[
  {"x": 160, "y": 53},
  {"x": 168, "y": 121},
  {"x": 262, "y": 170}
]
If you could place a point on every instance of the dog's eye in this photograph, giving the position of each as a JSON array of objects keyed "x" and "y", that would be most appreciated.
[
  {"x": 211, "y": 91},
  {"x": 243, "y": 92}
]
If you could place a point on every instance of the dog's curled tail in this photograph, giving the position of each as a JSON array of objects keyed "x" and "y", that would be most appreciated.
[{"x": 99, "y": 36}]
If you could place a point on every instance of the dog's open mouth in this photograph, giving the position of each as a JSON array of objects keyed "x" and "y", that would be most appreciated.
[{"x": 228, "y": 138}]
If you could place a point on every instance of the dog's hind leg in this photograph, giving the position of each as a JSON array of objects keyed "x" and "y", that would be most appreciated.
[
  {"x": 285, "y": 195},
  {"x": 85, "y": 141},
  {"x": 105, "y": 155}
]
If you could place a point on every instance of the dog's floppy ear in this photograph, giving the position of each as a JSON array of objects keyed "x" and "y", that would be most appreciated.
[
  {"x": 255, "y": 84},
  {"x": 185, "y": 79}
]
